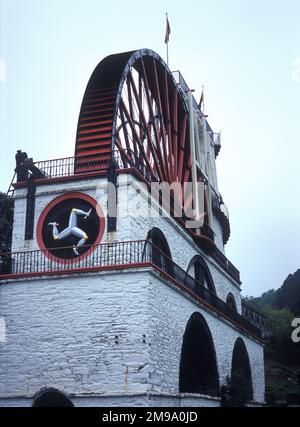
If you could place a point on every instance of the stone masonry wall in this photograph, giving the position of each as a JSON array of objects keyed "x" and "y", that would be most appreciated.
[
  {"x": 133, "y": 223},
  {"x": 105, "y": 334}
]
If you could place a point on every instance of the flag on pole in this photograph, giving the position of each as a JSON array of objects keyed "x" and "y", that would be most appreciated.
[
  {"x": 168, "y": 30},
  {"x": 201, "y": 102}
]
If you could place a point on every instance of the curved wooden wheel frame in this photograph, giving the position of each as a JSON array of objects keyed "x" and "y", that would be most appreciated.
[{"x": 133, "y": 105}]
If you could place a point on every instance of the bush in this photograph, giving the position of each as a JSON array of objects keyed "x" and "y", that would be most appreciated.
[{"x": 235, "y": 392}]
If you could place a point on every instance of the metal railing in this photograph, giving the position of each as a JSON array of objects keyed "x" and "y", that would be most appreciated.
[
  {"x": 116, "y": 255},
  {"x": 71, "y": 166},
  {"x": 56, "y": 168},
  {"x": 226, "y": 264},
  {"x": 253, "y": 313},
  {"x": 64, "y": 259},
  {"x": 65, "y": 167},
  {"x": 184, "y": 86},
  {"x": 127, "y": 159}
]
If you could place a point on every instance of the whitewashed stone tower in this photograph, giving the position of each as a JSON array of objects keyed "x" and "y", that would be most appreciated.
[{"x": 113, "y": 294}]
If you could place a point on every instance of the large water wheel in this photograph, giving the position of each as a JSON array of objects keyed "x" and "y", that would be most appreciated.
[{"x": 133, "y": 109}]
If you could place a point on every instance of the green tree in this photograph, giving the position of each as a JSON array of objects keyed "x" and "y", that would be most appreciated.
[
  {"x": 289, "y": 294},
  {"x": 279, "y": 346},
  {"x": 280, "y": 307},
  {"x": 6, "y": 220},
  {"x": 235, "y": 391}
]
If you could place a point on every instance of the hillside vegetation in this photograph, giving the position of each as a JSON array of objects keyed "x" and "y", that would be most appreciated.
[{"x": 282, "y": 355}]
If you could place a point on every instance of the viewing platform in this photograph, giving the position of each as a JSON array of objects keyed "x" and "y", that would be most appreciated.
[{"x": 116, "y": 256}]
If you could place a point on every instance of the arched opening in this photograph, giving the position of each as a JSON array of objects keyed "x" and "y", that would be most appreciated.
[
  {"x": 198, "y": 366},
  {"x": 199, "y": 270},
  {"x": 241, "y": 379},
  {"x": 51, "y": 398},
  {"x": 230, "y": 301},
  {"x": 160, "y": 251}
]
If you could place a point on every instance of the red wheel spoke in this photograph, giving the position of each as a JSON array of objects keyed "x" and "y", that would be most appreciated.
[
  {"x": 181, "y": 150},
  {"x": 124, "y": 155},
  {"x": 162, "y": 133},
  {"x": 133, "y": 105},
  {"x": 144, "y": 122},
  {"x": 135, "y": 135},
  {"x": 168, "y": 119},
  {"x": 187, "y": 170},
  {"x": 147, "y": 90},
  {"x": 126, "y": 137},
  {"x": 130, "y": 99},
  {"x": 175, "y": 138}
]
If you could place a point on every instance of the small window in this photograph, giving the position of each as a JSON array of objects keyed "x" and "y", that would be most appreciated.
[
  {"x": 199, "y": 270},
  {"x": 230, "y": 301},
  {"x": 160, "y": 251}
]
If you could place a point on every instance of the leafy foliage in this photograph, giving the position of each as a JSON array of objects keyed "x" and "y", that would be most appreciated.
[
  {"x": 280, "y": 346},
  {"x": 282, "y": 355},
  {"x": 289, "y": 294},
  {"x": 267, "y": 298},
  {"x": 6, "y": 219},
  {"x": 235, "y": 391}
]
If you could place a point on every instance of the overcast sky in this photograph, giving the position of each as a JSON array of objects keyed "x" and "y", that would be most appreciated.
[{"x": 245, "y": 52}]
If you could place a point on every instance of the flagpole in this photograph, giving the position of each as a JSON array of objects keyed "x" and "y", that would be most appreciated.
[
  {"x": 167, "y": 54},
  {"x": 167, "y": 43}
]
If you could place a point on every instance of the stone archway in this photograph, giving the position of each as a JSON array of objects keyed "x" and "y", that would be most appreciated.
[
  {"x": 198, "y": 269},
  {"x": 51, "y": 398},
  {"x": 160, "y": 250},
  {"x": 241, "y": 378},
  {"x": 198, "y": 366}
]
